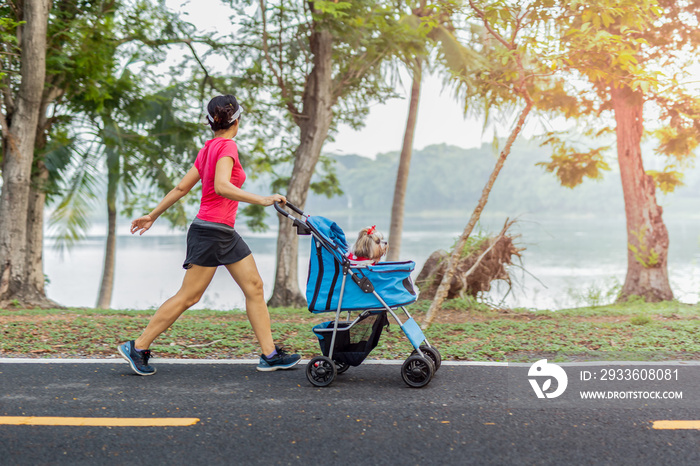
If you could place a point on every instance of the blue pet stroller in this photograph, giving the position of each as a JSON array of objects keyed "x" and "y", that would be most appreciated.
[{"x": 373, "y": 291}]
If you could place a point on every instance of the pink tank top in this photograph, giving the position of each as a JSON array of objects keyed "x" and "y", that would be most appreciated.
[{"x": 215, "y": 208}]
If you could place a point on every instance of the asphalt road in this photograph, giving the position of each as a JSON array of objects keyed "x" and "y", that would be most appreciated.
[{"x": 468, "y": 414}]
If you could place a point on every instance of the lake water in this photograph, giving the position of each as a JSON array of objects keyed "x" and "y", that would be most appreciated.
[{"x": 565, "y": 261}]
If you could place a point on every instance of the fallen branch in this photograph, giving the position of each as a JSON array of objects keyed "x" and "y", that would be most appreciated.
[{"x": 507, "y": 225}]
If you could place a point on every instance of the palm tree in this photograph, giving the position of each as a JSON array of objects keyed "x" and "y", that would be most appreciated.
[
  {"x": 132, "y": 137},
  {"x": 456, "y": 59}
]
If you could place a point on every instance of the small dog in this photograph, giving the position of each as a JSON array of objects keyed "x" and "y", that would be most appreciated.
[{"x": 369, "y": 247}]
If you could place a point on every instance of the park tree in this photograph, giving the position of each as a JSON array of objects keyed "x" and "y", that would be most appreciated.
[
  {"x": 133, "y": 136},
  {"x": 309, "y": 66},
  {"x": 415, "y": 67},
  {"x": 24, "y": 27},
  {"x": 433, "y": 22},
  {"x": 637, "y": 59},
  {"x": 133, "y": 129},
  {"x": 85, "y": 50}
]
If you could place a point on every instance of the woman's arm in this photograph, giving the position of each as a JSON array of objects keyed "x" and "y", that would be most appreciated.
[
  {"x": 142, "y": 224},
  {"x": 223, "y": 187}
]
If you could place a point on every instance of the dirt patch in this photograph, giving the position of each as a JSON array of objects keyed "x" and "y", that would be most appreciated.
[{"x": 38, "y": 319}]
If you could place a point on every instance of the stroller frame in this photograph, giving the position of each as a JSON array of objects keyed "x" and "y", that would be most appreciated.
[{"x": 419, "y": 367}]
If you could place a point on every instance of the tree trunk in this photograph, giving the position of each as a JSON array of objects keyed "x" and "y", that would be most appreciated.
[
  {"x": 35, "y": 278},
  {"x": 35, "y": 290},
  {"x": 19, "y": 155},
  {"x": 398, "y": 206},
  {"x": 647, "y": 236},
  {"x": 104, "y": 299},
  {"x": 314, "y": 124}
]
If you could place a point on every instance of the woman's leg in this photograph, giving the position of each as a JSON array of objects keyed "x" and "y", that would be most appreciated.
[
  {"x": 194, "y": 284},
  {"x": 245, "y": 273}
]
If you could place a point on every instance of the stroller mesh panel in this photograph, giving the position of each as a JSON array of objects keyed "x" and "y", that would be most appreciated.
[{"x": 353, "y": 343}]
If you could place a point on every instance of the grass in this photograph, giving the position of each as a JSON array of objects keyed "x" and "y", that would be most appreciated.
[{"x": 463, "y": 331}]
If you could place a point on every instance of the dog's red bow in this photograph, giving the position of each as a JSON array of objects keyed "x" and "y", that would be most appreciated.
[{"x": 370, "y": 230}]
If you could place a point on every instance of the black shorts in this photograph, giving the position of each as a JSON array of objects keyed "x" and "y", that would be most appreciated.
[{"x": 213, "y": 244}]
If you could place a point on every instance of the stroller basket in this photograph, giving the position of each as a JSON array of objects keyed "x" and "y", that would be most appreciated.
[{"x": 354, "y": 340}]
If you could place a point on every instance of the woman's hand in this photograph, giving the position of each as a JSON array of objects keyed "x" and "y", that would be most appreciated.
[
  {"x": 142, "y": 224},
  {"x": 269, "y": 200}
]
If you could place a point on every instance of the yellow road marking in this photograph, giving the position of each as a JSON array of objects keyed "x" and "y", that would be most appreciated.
[
  {"x": 98, "y": 421},
  {"x": 676, "y": 425}
]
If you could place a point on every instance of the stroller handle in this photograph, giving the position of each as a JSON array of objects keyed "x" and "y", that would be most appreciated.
[
  {"x": 301, "y": 226},
  {"x": 281, "y": 210}
]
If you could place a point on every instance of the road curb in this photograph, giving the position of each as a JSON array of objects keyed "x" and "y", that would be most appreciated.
[{"x": 387, "y": 362}]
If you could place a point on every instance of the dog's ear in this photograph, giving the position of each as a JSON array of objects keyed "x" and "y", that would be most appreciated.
[{"x": 378, "y": 251}]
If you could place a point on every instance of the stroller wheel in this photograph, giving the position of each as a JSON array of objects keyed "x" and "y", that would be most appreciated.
[
  {"x": 417, "y": 371},
  {"x": 432, "y": 353},
  {"x": 321, "y": 371},
  {"x": 341, "y": 366}
]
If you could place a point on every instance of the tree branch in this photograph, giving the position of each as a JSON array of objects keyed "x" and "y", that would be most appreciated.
[
  {"x": 201, "y": 65},
  {"x": 518, "y": 25},
  {"x": 488, "y": 27},
  {"x": 11, "y": 140},
  {"x": 7, "y": 94},
  {"x": 355, "y": 72},
  {"x": 280, "y": 82}
]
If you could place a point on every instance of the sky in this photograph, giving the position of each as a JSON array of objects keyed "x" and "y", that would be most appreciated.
[
  {"x": 440, "y": 115},
  {"x": 440, "y": 120}
]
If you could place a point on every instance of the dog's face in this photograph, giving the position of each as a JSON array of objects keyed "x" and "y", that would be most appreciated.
[{"x": 370, "y": 244}]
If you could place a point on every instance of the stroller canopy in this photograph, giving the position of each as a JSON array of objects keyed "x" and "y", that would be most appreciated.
[{"x": 331, "y": 234}]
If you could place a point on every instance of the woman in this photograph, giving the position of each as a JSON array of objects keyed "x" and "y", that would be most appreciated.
[{"x": 212, "y": 241}]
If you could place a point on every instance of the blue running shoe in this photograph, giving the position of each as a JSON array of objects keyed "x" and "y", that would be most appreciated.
[
  {"x": 281, "y": 360},
  {"x": 138, "y": 360}
]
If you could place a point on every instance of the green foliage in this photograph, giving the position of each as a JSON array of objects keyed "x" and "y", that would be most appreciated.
[
  {"x": 646, "y": 256},
  {"x": 640, "y": 320},
  {"x": 255, "y": 215},
  {"x": 8, "y": 39},
  {"x": 571, "y": 165},
  {"x": 118, "y": 117},
  {"x": 275, "y": 65},
  {"x": 334, "y": 9},
  {"x": 597, "y": 295},
  {"x": 473, "y": 243},
  {"x": 678, "y": 132},
  {"x": 604, "y": 40},
  {"x": 649, "y": 47},
  {"x": 469, "y": 303},
  {"x": 106, "y": 111},
  {"x": 517, "y": 54},
  {"x": 326, "y": 182},
  {"x": 667, "y": 181}
]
